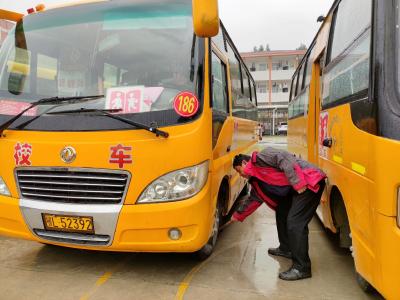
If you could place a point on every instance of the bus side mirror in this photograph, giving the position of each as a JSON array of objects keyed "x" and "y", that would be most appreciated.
[{"x": 205, "y": 17}]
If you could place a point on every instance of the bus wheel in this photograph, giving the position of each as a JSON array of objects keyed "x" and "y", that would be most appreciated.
[
  {"x": 364, "y": 285},
  {"x": 208, "y": 248}
]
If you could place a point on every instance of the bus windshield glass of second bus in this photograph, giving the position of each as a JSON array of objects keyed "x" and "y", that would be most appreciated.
[{"x": 143, "y": 52}]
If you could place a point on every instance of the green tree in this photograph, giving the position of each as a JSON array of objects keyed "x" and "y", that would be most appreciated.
[{"x": 302, "y": 47}]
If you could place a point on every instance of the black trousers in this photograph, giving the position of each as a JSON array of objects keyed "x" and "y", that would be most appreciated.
[{"x": 293, "y": 215}]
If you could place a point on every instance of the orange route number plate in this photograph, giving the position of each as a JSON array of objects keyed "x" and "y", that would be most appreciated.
[{"x": 68, "y": 223}]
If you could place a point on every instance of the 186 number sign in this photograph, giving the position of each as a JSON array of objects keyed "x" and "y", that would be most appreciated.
[{"x": 186, "y": 104}]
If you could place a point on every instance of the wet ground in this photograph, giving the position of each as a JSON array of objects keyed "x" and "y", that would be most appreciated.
[{"x": 240, "y": 268}]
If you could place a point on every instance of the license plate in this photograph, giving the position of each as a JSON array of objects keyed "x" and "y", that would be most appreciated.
[{"x": 68, "y": 223}]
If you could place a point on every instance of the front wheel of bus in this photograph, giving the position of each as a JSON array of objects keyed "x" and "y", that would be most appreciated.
[
  {"x": 364, "y": 284},
  {"x": 208, "y": 248}
]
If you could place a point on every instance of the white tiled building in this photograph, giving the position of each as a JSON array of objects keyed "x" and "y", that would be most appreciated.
[{"x": 273, "y": 71}]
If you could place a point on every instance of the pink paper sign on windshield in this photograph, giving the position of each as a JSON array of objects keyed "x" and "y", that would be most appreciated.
[
  {"x": 13, "y": 108},
  {"x": 132, "y": 99}
]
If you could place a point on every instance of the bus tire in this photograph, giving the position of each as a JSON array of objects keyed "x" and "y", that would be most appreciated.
[
  {"x": 344, "y": 231},
  {"x": 206, "y": 251},
  {"x": 341, "y": 219},
  {"x": 364, "y": 284}
]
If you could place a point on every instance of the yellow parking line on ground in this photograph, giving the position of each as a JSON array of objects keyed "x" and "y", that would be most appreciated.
[
  {"x": 188, "y": 278},
  {"x": 104, "y": 278},
  {"x": 186, "y": 281}
]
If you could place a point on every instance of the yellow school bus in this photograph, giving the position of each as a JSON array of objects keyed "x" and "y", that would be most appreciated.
[
  {"x": 344, "y": 116},
  {"x": 119, "y": 121}
]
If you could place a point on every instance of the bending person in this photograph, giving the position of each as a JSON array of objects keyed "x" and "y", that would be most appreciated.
[{"x": 293, "y": 188}]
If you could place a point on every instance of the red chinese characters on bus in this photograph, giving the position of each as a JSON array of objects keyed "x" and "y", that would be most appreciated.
[
  {"x": 22, "y": 154},
  {"x": 120, "y": 155}
]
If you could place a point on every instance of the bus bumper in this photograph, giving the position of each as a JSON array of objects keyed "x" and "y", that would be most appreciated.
[
  {"x": 389, "y": 262},
  {"x": 12, "y": 222},
  {"x": 135, "y": 228}
]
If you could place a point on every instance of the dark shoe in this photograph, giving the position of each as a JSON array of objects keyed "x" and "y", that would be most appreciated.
[
  {"x": 279, "y": 252},
  {"x": 294, "y": 274}
]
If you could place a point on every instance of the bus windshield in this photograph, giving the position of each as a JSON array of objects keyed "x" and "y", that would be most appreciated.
[{"x": 138, "y": 55}]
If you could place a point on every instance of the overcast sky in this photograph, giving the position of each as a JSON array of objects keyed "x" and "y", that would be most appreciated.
[{"x": 283, "y": 24}]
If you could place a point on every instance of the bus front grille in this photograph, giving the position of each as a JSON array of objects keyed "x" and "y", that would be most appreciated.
[{"x": 70, "y": 185}]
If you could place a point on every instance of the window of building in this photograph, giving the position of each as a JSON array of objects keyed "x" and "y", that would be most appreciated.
[
  {"x": 261, "y": 87},
  {"x": 285, "y": 88},
  {"x": 262, "y": 67}
]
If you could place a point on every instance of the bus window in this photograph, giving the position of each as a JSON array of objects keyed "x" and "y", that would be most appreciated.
[
  {"x": 220, "y": 99},
  {"x": 291, "y": 95},
  {"x": 219, "y": 40},
  {"x": 348, "y": 74},
  {"x": 246, "y": 87},
  {"x": 234, "y": 67},
  {"x": 254, "y": 98},
  {"x": 16, "y": 75},
  {"x": 352, "y": 18},
  {"x": 46, "y": 75},
  {"x": 110, "y": 75},
  {"x": 309, "y": 68},
  {"x": 295, "y": 79},
  {"x": 300, "y": 84}
]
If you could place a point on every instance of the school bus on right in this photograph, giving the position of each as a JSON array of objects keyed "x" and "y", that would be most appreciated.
[{"x": 344, "y": 116}]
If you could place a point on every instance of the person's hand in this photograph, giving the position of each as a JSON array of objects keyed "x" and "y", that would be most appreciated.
[{"x": 302, "y": 190}]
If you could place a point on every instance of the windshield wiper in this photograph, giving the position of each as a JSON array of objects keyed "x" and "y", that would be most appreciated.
[
  {"x": 107, "y": 113},
  {"x": 46, "y": 101}
]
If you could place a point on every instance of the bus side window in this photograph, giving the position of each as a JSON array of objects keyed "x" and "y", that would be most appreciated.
[
  {"x": 246, "y": 87},
  {"x": 300, "y": 83},
  {"x": 346, "y": 77},
  {"x": 254, "y": 93},
  {"x": 295, "y": 80},
  {"x": 291, "y": 95},
  {"x": 220, "y": 97},
  {"x": 234, "y": 70}
]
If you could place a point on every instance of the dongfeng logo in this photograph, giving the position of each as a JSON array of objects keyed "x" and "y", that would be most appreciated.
[{"x": 68, "y": 154}]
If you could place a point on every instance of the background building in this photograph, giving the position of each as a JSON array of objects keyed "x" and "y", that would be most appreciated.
[
  {"x": 5, "y": 26},
  {"x": 273, "y": 71}
]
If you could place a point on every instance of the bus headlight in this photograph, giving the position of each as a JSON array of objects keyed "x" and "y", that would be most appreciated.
[
  {"x": 3, "y": 188},
  {"x": 177, "y": 185}
]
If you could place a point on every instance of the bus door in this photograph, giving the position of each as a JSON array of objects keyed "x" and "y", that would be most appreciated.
[
  {"x": 314, "y": 111},
  {"x": 222, "y": 123},
  {"x": 318, "y": 133}
]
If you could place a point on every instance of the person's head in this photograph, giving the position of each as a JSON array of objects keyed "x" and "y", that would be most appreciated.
[{"x": 239, "y": 163}]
